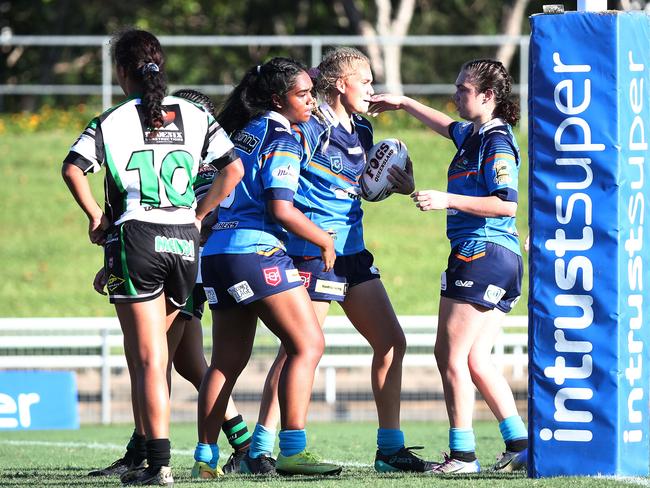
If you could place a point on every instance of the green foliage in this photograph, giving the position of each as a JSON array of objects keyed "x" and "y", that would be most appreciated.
[
  {"x": 49, "y": 264},
  {"x": 223, "y": 65}
]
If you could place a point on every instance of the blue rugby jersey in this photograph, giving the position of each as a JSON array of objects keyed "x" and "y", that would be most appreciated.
[
  {"x": 485, "y": 164},
  {"x": 329, "y": 192},
  {"x": 271, "y": 157}
]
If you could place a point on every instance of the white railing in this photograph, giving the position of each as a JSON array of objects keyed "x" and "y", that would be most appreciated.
[
  {"x": 96, "y": 343},
  {"x": 314, "y": 43}
]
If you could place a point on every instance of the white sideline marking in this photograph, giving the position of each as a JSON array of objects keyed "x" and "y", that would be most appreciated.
[
  {"x": 116, "y": 447},
  {"x": 630, "y": 480}
]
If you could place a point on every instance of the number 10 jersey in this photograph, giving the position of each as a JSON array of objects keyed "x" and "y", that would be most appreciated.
[{"x": 150, "y": 173}]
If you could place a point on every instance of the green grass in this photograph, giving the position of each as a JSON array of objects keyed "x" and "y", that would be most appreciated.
[
  {"x": 62, "y": 458},
  {"x": 48, "y": 262}
]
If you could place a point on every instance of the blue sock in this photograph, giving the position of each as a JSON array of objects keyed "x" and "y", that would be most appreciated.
[
  {"x": 292, "y": 441},
  {"x": 462, "y": 440},
  {"x": 389, "y": 441},
  {"x": 207, "y": 453},
  {"x": 513, "y": 428},
  {"x": 262, "y": 442}
]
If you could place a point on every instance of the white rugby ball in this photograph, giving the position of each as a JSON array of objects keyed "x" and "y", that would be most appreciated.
[{"x": 374, "y": 179}]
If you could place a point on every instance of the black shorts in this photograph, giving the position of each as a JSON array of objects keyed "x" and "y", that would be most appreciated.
[
  {"x": 483, "y": 273},
  {"x": 333, "y": 285},
  {"x": 143, "y": 260},
  {"x": 195, "y": 303}
]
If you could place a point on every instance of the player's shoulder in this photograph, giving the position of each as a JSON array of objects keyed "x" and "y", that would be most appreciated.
[
  {"x": 497, "y": 130},
  {"x": 361, "y": 122}
]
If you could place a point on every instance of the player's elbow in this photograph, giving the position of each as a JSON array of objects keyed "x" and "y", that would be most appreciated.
[
  {"x": 235, "y": 170},
  {"x": 509, "y": 209},
  {"x": 69, "y": 172}
]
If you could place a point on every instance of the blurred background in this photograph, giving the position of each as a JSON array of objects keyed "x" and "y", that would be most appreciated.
[{"x": 56, "y": 74}]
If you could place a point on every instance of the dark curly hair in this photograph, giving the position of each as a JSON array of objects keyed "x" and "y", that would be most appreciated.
[
  {"x": 196, "y": 97},
  {"x": 491, "y": 74},
  {"x": 141, "y": 55},
  {"x": 253, "y": 96}
]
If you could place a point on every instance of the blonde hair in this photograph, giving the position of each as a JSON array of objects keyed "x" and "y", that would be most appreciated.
[{"x": 337, "y": 63}]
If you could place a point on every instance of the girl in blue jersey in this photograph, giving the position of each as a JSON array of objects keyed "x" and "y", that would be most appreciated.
[
  {"x": 151, "y": 146},
  {"x": 483, "y": 277},
  {"x": 248, "y": 275},
  {"x": 335, "y": 141}
]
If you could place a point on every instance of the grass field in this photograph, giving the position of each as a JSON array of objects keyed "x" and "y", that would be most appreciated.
[
  {"x": 48, "y": 262},
  {"x": 62, "y": 458}
]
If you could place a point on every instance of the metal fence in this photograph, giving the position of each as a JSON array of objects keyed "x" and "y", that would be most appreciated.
[{"x": 315, "y": 43}]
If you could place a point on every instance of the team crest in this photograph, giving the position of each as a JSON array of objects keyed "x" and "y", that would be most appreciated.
[
  {"x": 306, "y": 278},
  {"x": 272, "y": 276},
  {"x": 336, "y": 164}
]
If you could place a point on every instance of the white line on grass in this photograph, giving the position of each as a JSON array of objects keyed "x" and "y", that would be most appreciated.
[
  {"x": 116, "y": 447},
  {"x": 630, "y": 480}
]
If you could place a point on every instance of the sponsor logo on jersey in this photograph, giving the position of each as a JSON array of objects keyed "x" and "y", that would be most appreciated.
[
  {"x": 443, "y": 281},
  {"x": 305, "y": 277},
  {"x": 331, "y": 287},
  {"x": 292, "y": 275},
  {"x": 346, "y": 193},
  {"x": 173, "y": 245},
  {"x": 502, "y": 173},
  {"x": 272, "y": 276},
  {"x": 336, "y": 164},
  {"x": 282, "y": 129},
  {"x": 225, "y": 225},
  {"x": 114, "y": 282},
  {"x": 356, "y": 150},
  {"x": 464, "y": 284},
  {"x": 514, "y": 302},
  {"x": 171, "y": 131},
  {"x": 206, "y": 174},
  {"x": 210, "y": 295},
  {"x": 245, "y": 141},
  {"x": 285, "y": 173},
  {"x": 493, "y": 294},
  {"x": 240, "y": 291}
]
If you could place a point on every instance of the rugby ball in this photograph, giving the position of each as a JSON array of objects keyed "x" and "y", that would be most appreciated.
[{"x": 374, "y": 179}]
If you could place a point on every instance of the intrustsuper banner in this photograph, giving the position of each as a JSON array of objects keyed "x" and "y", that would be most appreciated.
[
  {"x": 38, "y": 400},
  {"x": 589, "y": 303}
]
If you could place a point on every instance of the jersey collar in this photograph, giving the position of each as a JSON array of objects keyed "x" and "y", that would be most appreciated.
[
  {"x": 490, "y": 124},
  {"x": 331, "y": 116},
  {"x": 279, "y": 118}
]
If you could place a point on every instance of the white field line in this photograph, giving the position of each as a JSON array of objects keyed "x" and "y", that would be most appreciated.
[
  {"x": 120, "y": 448},
  {"x": 630, "y": 480}
]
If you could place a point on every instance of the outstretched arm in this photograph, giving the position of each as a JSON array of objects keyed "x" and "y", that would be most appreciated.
[
  {"x": 490, "y": 206},
  {"x": 431, "y": 117}
]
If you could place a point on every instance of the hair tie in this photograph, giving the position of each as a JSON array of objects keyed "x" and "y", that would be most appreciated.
[
  {"x": 150, "y": 68},
  {"x": 259, "y": 69},
  {"x": 313, "y": 73}
]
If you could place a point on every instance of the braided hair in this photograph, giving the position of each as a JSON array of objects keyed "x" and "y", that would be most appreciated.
[
  {"x": 197, "y": 97},
  {"x": 253, "y": 96},
  {"x": 336, "y": 64},
  {"x": 139, "y": 53},
  {"x": 490, "y": 74}
]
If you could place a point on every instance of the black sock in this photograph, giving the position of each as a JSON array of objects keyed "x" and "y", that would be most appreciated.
[
  {"x": 465, "y": 456},
  {"x": 237, "y": 433},
  {"x": 136, "y": 449},
  {"x": 517, "y": 445},
  {"x": 158, "y": 453}
]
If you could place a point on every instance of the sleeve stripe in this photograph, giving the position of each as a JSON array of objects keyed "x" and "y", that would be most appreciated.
[
  {"x": 460, "y": 175},
  {"x": 508, "y": 156},
  {"x": 278, "y": 154}
]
